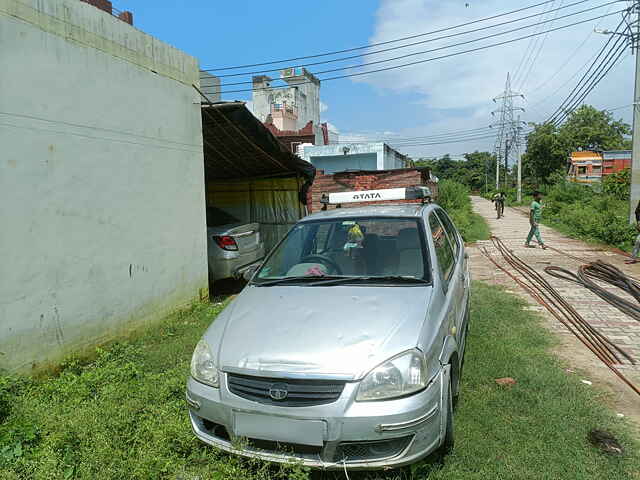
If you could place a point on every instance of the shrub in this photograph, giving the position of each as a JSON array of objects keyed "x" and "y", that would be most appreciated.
[
  {"x": 618, "y": 184},
  {"x": 583, "y": 212},
  {"x": 454, "y": 198}
]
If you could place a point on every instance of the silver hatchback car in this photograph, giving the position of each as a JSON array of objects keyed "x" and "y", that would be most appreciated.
[{"x": 346, "y": 348}]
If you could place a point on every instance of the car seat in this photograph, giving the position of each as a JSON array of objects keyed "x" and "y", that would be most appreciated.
[{"x": 410, "y": 260}]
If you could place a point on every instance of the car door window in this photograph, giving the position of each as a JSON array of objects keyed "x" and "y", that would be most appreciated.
[
  {"x": 454, "y": 238},
  {"x": 443, "y": 250}
]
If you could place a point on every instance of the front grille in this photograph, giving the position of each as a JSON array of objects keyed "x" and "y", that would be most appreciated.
[
  {"x": 300, "y": 393},
  {"x": 284, "y": 447},
  {"x": 379, "y": 449}
]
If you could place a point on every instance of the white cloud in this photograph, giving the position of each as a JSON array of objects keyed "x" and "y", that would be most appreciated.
[
  {"x": 457, "y": 91},
  {"x": 323, "y": 107}
]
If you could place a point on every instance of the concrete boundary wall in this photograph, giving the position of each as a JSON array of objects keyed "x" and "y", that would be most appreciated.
[
  {"x": 86, "y": 25},
  {"x": 102, "y": 200}
]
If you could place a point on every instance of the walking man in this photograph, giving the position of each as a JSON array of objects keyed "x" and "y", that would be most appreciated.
[
  {"x": 534, "y": 220},
  {"x": 636, "y": 247}
]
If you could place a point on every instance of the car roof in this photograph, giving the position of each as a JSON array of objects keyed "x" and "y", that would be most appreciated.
[{"x": 387, "y": 210}]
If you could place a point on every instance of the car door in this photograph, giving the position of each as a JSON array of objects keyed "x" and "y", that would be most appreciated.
[
  {"x": 445, "y": 256},
  {"x": 459, "y": 287}
]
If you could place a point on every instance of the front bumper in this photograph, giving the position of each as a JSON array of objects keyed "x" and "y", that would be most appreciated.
[{"x": 390, "y": 433}]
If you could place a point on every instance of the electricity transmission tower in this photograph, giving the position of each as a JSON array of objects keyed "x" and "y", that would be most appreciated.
[{"x": 508, "y": 137}]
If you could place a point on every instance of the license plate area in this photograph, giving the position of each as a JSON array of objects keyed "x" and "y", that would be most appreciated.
[{"x": 280, "y": 429}]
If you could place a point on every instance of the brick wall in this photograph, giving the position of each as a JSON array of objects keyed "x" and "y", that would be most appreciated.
[{"x": 348, "y": 181}]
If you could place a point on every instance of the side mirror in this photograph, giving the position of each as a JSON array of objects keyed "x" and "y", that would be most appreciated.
[{"x": 249, "y": 272}]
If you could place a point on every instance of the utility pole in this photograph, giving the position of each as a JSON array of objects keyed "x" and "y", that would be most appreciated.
[
  {"x": 635, "y": 152},
  {"x": 506, "y": 128},
  {"x": 507, "y": 144},
  {"x": 632, "y": 33},
  {"x": 519, "y": 157}
]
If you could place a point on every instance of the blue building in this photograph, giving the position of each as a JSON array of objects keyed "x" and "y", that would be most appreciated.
[{"x": 342, "y": 157}]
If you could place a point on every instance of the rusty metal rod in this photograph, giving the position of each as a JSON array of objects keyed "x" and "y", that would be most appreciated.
[
  {"x": 599, "y": 341},
  {"x": 599, "y": 345}
]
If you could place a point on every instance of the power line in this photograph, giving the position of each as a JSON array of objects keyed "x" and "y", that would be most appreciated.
[
  {"x": 481, "y": 137},
  {"x": 527, "y": 51},
  {"x": 434, "y": 136},
  {"x": 526, "y": 77},
  {"x": 484, "y": 47},
  {"x": 568, "y": 59},
  {"x": 591, "y": 87},
  {"x": 410, "y": 37},
  {"x": 593, "y": 62},
  {"x": 616, "y": 48},
  {"x": 415, "y": 43},
  {"x": 413, "y": 54}
]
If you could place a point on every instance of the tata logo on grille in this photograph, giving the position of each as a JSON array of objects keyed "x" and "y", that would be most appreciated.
[{"x": 278, "y": 391}]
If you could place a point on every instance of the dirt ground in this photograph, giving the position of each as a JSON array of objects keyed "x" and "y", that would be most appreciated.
[{"x": 617, "y": 326}]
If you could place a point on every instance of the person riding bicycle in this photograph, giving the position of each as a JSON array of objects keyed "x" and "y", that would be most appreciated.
[{"x": 498, "y": 199}]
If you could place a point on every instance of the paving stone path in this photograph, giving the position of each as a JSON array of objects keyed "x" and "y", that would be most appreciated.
[{"x": 620, "y": 328}]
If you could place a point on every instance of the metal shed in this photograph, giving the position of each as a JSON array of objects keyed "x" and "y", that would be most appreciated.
[{"x": 249, "y": 173}]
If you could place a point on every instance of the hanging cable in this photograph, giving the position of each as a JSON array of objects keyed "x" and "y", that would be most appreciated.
[
  {"x": 364, "y": 47},
  {"x": 579, "y": 101},
  {"x": 590, "y": 80},
  {"x": 527, "y": 52},
  {"x": 257, "y": 72},
  {"x": 413, "y": 54},
  {"x": 584, "y": 76},
  {"x": 484, "y": 47},
  {"x": 527, "y": 76}
]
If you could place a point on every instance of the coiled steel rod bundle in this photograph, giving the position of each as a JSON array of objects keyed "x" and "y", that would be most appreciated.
[
  {"x": 607, "y": 273},
  {"x": 547, "y": 296}
]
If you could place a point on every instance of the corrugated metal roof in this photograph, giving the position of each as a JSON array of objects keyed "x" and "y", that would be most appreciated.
[{"x": 237, "y": 145}]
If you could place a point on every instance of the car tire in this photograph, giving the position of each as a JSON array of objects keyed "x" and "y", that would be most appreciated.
[{"x": 448, "y": 442}]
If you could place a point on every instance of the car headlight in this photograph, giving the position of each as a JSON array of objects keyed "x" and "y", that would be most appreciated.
[
  {"x": 402, "y": 375},
  {"x": 203, "y": 366}
]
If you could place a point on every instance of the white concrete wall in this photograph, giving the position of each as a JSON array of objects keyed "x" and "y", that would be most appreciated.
[
  {"x": 102, "y": 224},
  {"x": 210, "y": 86}
]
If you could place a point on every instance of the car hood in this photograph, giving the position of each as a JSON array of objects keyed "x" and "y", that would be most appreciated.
[{"x": 341, "y": 331}]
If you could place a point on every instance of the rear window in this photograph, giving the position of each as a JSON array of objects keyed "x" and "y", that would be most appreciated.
[{"x": 217, "y": 217}]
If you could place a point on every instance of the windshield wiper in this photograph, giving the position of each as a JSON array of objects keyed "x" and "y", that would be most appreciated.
[
  {"x": 370, "y": 279},
  {"x": 300, "y": 279}
]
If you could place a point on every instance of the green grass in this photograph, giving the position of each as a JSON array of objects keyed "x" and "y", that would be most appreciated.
[
  {"x": 454, "y": 198},
  {"x": 478, "y": 229},
  {"x": 122, "y": 414}
]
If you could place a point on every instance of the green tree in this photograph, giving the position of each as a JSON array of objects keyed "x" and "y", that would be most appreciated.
[
  {"x": 591, "y": 129},
  {"x": 549, "y": 147},
  {"x": 470, "y": 171},
  {"x": 545, "y": 154}
]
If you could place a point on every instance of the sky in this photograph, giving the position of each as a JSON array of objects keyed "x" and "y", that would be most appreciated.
[{"x": 429, "y": 98}]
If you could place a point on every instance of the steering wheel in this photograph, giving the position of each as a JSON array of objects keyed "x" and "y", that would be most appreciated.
[{"x": 324, "y": 260}]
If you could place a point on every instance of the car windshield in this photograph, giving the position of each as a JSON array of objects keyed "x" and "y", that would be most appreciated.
[{"x": 359, "y": 249}]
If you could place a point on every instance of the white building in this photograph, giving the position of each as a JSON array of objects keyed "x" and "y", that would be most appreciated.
[
  {"x": 290, "y": 108},
  {"x": 101, "y": 180},
  {"x": 342, "y": 157}
]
